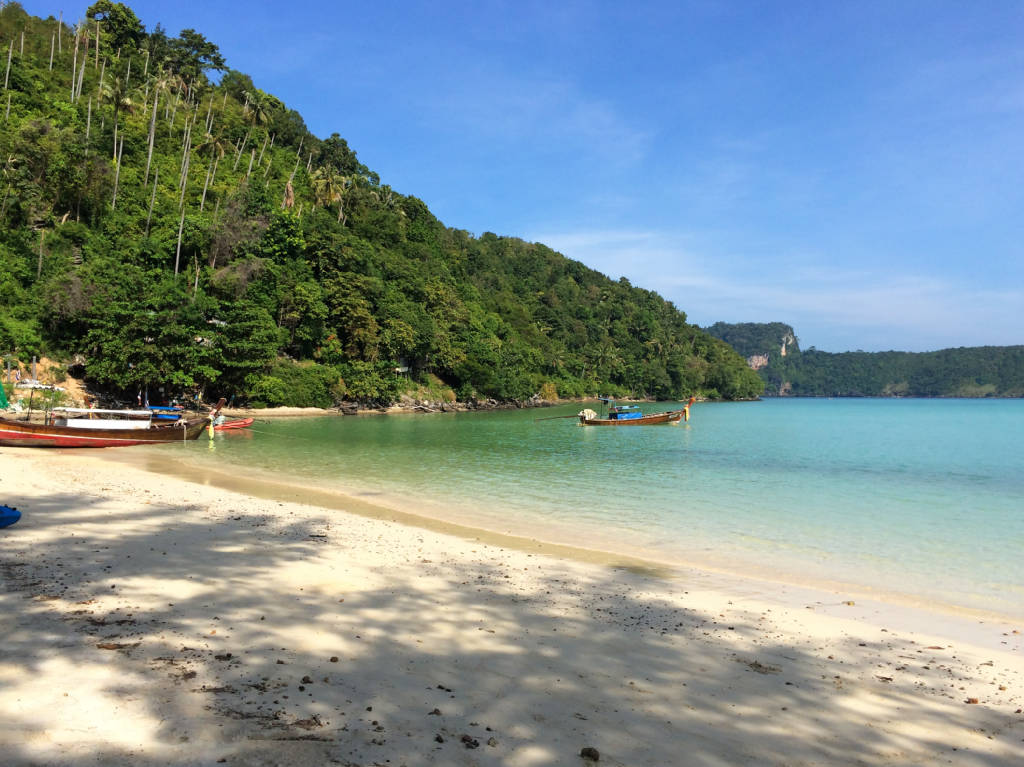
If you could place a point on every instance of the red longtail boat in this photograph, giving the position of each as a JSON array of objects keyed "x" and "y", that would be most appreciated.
[{"x": 239, "y": 423}]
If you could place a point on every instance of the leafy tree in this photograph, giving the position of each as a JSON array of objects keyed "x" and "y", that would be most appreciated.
[
  {"x": 120, "y": 25},
  {"x": 190, "y": 55},
  {"x": 236, "y": 84},
  {"x": 336, "y": 156},
  {"x": 247, "y": 342},
  {"x": 372, "y": 382}
]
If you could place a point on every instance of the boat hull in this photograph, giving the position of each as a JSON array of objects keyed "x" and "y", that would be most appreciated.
[
  {"x": 670, "y": 416},
  {"x": 241, "y": 423},
  {"x": 26, "y": 434}
]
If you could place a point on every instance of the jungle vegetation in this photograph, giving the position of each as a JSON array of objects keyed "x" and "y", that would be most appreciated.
[{"x": 164, "y": 221}]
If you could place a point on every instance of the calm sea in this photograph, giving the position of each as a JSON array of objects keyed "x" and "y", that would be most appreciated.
[{"x": 923, "y": 498}]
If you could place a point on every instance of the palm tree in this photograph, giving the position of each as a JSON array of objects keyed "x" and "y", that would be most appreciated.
[
  {"x": 162, "y": 81},
  {"x": 257, "y": 107},
  {"x": 556, "y": 360},
  {"x": 385, "y": 196},
  {"x": 218, "y": 148},
  {"x": 165, "y": 80},
  {"x": 606, "y": 359},
  {"x": 216, "y": 144},
  {"x": 329, "y": 188},
  {"x": 119, "y": 94},
  {"x": 655, "y": 349}
]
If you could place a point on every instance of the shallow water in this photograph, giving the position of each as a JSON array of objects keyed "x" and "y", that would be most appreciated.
[{"x": 923, "y": 498}]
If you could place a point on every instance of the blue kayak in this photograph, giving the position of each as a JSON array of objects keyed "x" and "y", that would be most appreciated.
[{"x": 8, "y": 516}]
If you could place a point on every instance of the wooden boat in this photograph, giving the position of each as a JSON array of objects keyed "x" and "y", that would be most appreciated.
[
  {"x": 239, "y": 423},
  {"x": 131, "y": 428},
  {"x": 631, "y": 415}
]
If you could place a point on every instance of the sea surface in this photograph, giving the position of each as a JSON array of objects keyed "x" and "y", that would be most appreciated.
[{"x": 922, "y": 499}]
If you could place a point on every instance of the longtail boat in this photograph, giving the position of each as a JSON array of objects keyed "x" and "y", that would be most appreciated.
[
  {"x": 632, "y": 415},
  {"x": 239, "y": 423},
  {"x": 95, "y": 429}
]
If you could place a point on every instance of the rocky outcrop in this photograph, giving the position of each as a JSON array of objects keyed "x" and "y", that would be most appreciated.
[{"x": 758, "y": 361}]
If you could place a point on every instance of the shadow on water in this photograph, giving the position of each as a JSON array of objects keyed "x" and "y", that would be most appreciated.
[{"x": 398, "y": 670}]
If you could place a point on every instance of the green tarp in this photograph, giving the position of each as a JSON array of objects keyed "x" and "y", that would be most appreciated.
[{"x": 3, "y": 399}]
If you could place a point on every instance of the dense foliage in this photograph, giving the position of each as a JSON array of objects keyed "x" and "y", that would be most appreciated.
[
  {"x": 175, "y": 231},
  {"x": 755, "y": 338},
  {"x": 982, "y": 371}
]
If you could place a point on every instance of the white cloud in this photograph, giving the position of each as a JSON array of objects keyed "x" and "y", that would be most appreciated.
[{"x": 833, "y": 308}]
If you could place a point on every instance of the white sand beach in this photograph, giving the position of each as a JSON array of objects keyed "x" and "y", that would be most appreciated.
[{"x": 149, "y": 620}]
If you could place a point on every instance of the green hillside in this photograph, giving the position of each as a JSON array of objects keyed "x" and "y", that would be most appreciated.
[
  {"x": 164, "y": 222},
  {"x": 983, "y": 371},
  {"x": 757, "y": 338}
]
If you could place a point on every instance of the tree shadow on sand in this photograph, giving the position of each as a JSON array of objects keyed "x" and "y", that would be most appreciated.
[{"x": 438, "y": 660}]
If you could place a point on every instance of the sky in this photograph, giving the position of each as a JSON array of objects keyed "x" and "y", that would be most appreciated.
[{"x": 854, "y": 169}]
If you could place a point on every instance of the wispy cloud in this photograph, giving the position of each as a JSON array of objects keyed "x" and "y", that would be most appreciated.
[
  {"x": 870, "y": 308},
  {"x": 546, "y": 114}
]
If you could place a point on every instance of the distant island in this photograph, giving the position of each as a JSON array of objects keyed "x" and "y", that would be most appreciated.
[{"x": 773, "y": 350}]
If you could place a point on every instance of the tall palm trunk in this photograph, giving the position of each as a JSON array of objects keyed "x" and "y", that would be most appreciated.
[
  {"x": 10, "y": 53},
  {"x": 74, "y": 69},
  {"x": 177, "y": 253},
  {"x": 152, "y": 134},
  {"x": 152, "y": 200},
  {"x": 238, "y": 154},
  {"x": 118, "y": 154}
]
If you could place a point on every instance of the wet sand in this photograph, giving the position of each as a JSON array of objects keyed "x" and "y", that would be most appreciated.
[{"x": 150, "y": 619}]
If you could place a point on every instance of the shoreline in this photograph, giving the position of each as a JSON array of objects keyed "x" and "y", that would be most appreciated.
[
  {"x": 409, "y": 405},
  {"x": 152, "y": 620},
  {"x": 798, "y": 591}
]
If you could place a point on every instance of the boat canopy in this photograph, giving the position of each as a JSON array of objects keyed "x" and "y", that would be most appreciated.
[
  {"x": 610, "y": 402},
  {"x": 101, "y": 411}
]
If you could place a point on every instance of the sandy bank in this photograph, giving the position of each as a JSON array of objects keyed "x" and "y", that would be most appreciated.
[
  {"x": 277, "y": 412},
  {"x": 148, "y": 620}
]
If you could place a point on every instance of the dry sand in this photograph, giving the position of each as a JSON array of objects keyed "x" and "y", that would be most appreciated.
[{"x": 146, "y": 620}]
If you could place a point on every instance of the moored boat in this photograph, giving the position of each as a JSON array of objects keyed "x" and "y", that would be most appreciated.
[
  {"x": 632, "y": 415},
  {"x": 239, "y": 423},
  {"x": 100, "y": 428}
]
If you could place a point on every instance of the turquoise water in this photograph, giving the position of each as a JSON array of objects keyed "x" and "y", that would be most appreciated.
[{"x": 920, "y": 497}]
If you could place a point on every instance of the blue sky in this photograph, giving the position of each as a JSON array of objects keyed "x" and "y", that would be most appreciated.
[{"x": 855, "y": 169}]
